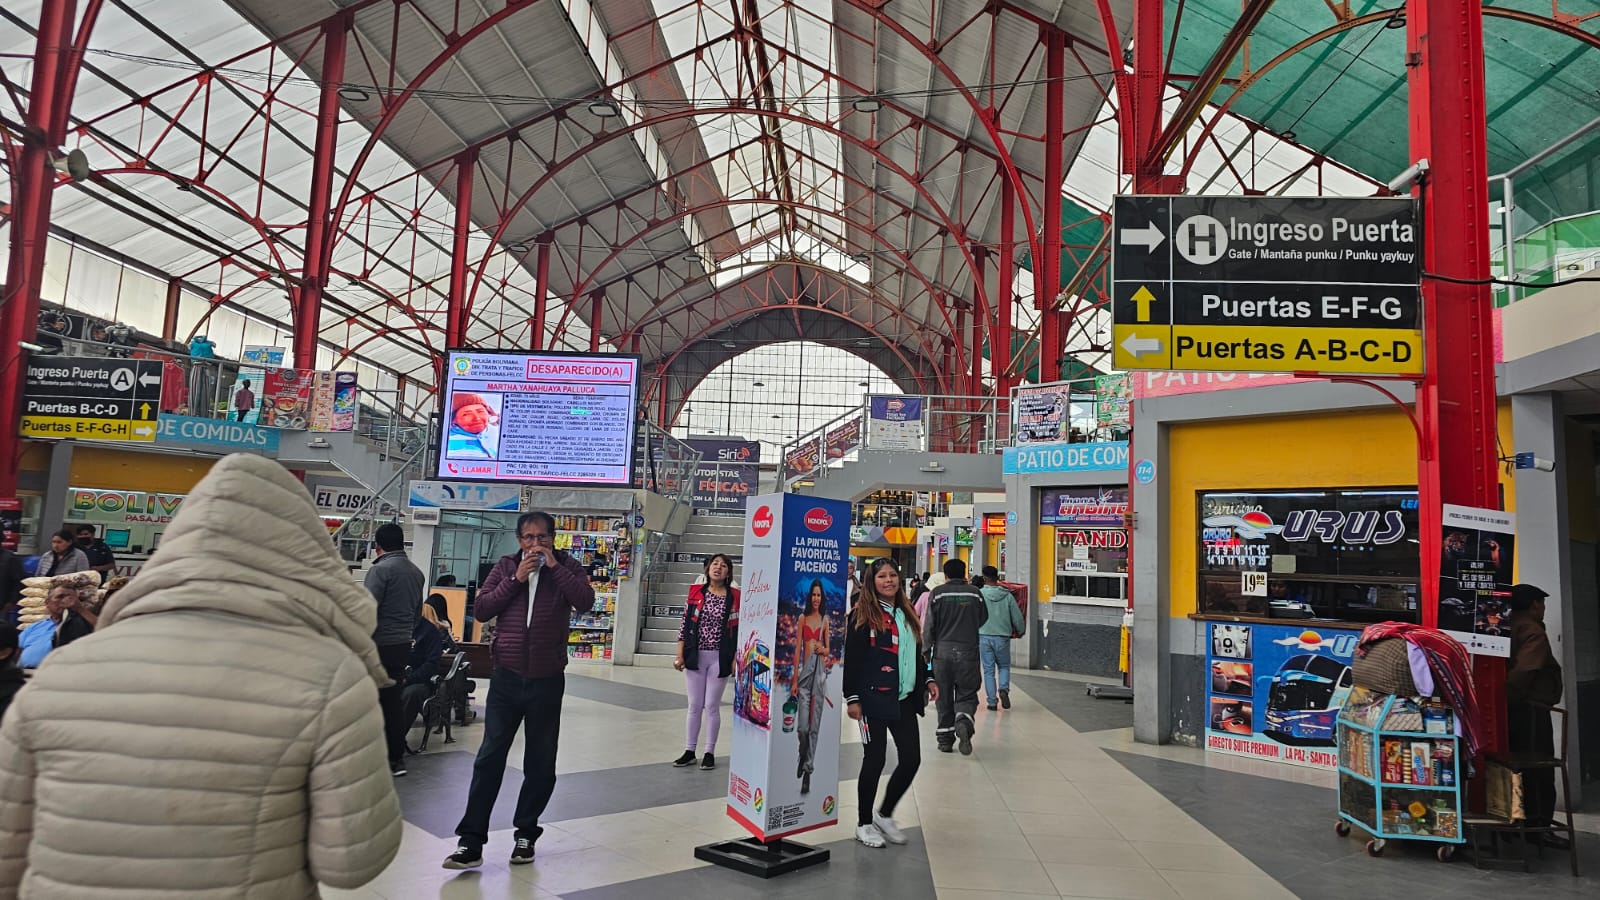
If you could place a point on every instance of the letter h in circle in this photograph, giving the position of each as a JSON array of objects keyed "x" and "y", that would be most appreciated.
[{"x": 1194, "y": 236}]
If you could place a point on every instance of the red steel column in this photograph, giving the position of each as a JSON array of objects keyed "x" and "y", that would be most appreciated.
[
  {"x": 979, "y": 316},
  {"x": 33, "y": 186},
  {"x": 596, "y": 307},
  {"x": 314, "y": 280},
  {"x": 1005, "y": 300},
  {"x": 1047, "y": 269},
  {"x": 1456, "y": 400},
  {"x": 169, "y": 316},
  {"x": 541, "y": 290},
  {"x": 456, "y": 316}
]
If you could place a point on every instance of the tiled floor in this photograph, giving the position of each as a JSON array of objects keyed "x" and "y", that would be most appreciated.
[{"x": 1056, "y": 801}]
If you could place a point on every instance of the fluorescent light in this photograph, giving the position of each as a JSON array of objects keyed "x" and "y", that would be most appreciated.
[
  {"x": 867, "y": 104},
  {"x": 603, "y": 109}
]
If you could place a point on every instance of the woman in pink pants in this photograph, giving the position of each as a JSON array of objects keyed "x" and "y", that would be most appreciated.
[{"x": 705, "y": 654}]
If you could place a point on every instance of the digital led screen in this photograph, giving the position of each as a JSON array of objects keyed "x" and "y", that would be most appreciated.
[{"x": 539, "y": 418}]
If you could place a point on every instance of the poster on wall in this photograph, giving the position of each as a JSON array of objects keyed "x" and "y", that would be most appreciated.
[
  {"x": 841, "y": 440},
  {"x": 894, "y": 423},
  {"x": 263, "y": 356},
  {"x": 802, "y": 460},
  {"x": 1084, "y": 507},
  {"x": 1042, "y": 414},
  {"x": 726, "y": 474},
  {"x": 1475, "y": 578},
  {"x": 783, "y": 775},
  {"x": 10, "y": 523},
  {"x": 1275, "y": 691},
  {"x": 286, "y": 398},
  {"x": 1113, "y": 401},
  {"x": 333, "y": 401}
]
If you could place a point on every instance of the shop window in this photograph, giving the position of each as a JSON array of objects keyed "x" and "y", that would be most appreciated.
[{"x": 1350, "y": 554}]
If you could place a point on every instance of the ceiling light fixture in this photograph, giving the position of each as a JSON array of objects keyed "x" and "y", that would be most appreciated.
[
  {"x": 758, "y": 384},
  {"x": 867, "y": 104},
  {"x": 354, "y": 94},
  {"x": 603, "y": 109},
  {"x": 863, "y": 384},
  {"x": 518, "y": 248},
  {"x": 1398, "y": 20},
  {"x": 861, "y": 258}
]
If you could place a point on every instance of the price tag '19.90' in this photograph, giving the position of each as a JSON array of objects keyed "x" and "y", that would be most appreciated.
[{"x": 1254, "y": 584}]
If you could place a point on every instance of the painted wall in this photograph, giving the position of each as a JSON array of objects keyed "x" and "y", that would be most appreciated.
[{"x": 1375, "y": 447}]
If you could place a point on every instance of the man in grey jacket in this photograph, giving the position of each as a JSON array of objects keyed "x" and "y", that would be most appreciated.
[
  {"x": 398, "y": 585},
  {"x": 950, "y": 632}
]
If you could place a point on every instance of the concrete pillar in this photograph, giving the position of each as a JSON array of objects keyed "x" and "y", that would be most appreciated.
[
  {"x": 56, "y": 493},
  {"x": 1152, "y": 619},
  {"x": 1544, "y": 545}
]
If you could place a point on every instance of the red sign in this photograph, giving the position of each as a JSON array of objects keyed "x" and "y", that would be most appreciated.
[
  {"x": 1094, "y": 538},
  {"x": 994, "y": 523},
  {"x": 10, "y": 523},
  {"x": 762, "y": 523},
  {"x": 819, "y": 520}
]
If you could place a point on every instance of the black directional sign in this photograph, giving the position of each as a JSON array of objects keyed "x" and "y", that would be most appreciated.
[
  {"x": 94, "y": 399},
  {"x": 1267, "y": 284}
]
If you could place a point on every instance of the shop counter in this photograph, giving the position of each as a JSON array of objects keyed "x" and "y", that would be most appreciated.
[{"x": 1275, "y": 686}]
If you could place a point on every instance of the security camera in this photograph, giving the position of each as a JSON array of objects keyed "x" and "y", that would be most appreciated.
[
  {"x": 1529, "y": 461},
  {"x": 1403, "y": 182}
]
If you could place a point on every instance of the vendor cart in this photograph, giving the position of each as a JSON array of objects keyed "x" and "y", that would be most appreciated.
[{"x": 1400, "y": 771}]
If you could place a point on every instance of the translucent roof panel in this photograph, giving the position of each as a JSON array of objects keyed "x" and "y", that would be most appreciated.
[{"x": 762, "y": 158}]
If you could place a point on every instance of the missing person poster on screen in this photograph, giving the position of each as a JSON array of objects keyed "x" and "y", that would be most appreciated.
[{"x": 539, "y": 418}]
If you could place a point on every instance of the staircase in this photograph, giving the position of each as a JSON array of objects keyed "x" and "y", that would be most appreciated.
[
  {"x": 705, "y": 535},
  {"x": 883, "y": 470}
]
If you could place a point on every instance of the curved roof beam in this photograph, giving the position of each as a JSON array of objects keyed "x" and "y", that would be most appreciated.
[
  {"x": 962, "y": 241},
  {"x": 727, "y": 321},
  {"x": 583, "y": 286}
]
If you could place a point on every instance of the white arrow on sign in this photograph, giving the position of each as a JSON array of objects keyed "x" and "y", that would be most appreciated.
[
  {"x": 143, "y": 430},
  {"x": 149, "y": 379},
  {"x": 1148, "y": 237},
  {"x": 1137, "y": 346}
]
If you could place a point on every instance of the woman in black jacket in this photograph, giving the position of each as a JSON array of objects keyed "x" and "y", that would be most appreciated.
[{"x": 887, "y": 685}]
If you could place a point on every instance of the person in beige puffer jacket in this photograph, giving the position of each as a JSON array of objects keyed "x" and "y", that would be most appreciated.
[{"x": 218, "y": 736}]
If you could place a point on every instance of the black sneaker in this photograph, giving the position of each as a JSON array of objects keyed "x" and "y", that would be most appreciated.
[
  {"x": 397, "y": 769},
  {"x": 708, "y": 762},
  {"x": 992, "y": 707},
  {"x": 1005, "y": 699},
  {"x": 687, "y": 759},
  {"x": 964, "y": 735},
  {"x": 522, "y": 853},
  {"x": 947, "y": 748},
  {"x": 466, "y": 857}
]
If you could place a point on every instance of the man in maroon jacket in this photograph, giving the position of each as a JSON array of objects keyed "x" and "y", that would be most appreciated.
[{"x": 530, "y": 654}]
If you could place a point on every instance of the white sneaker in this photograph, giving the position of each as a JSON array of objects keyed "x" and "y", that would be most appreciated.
[
  {"x": 870, "y": 835},
  {"x": 888, "y": 829}
]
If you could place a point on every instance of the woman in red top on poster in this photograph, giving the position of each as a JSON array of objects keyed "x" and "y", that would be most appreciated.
[{"x": 809, "y": 679}]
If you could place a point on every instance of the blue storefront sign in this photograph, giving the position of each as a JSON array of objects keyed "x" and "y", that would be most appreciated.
[
  {"x": 1104, "y": 456},
  {"x": 195, "y": 433}
]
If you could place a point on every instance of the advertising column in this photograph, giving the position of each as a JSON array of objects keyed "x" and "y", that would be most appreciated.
[{"x": 784, "y": 771}]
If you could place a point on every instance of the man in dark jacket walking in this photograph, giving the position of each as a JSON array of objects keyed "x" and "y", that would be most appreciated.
[
  {"x": 955, "y": 613},
  {"x": 397, "y": 584},
  {"x": 531, "y": 595}
]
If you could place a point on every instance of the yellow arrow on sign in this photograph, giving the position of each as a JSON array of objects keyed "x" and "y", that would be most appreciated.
[
  {"x": 144, "y": 410},
  {"x": 1142, "y": 298}
]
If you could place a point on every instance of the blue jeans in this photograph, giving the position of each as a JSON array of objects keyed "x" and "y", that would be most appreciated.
[
  {"x": 994, "y": 652},
  {"x": 534, "y": 705}
]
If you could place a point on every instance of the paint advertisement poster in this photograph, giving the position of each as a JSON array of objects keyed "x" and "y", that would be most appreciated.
[
  {"x": 1475, "y": 578},
  {"x": 10, "y": 523},
  {"x": 802, "y": 460},
  {"x": 1275, "y": 691},
  {"x": 783, "y": 776},
  {"x": 1042, "y": 414},
  {"x": 726, "y": 475},
  {"x": 894, "y": 423},
  {"x": 1113, "y": 401}
]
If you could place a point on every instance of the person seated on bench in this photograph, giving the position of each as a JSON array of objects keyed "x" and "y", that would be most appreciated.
[
  {"x": 441, "y": 614},
  {"x": 422, "y": 671}
]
